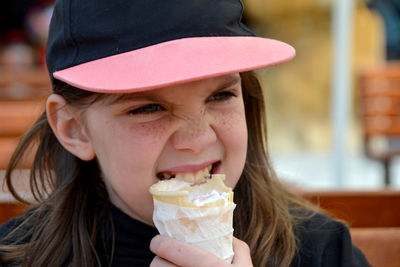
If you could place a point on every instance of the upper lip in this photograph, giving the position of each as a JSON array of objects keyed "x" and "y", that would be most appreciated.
[{"x": 188, "y": 168}]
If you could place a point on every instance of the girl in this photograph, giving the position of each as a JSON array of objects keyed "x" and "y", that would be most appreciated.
[{"x": 147, "y": 88}]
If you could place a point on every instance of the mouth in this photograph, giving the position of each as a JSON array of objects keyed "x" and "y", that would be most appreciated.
[{"x": 195, "y": 177}]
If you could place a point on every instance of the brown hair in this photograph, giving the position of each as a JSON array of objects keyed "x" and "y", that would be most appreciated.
[
  {"x": 266, "y": 212},
  {"x": 63, "y": 225}
]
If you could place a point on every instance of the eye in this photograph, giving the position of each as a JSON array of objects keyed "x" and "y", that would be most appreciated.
[
  {"x": 221, "y": 96},
  {"x": 147, "y": 109}
]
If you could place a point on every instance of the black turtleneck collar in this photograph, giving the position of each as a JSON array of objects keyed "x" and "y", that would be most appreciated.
[{"x": 132, "y": 241}]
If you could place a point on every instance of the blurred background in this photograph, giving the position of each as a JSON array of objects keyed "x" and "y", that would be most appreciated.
[{"x": 333, "y": 111}]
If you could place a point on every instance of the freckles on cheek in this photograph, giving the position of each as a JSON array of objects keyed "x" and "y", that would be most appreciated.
[
  {"x": 233, "y": 130},
  {"x": 232, "y": 121},
  {"x": 148, "y": 134}
]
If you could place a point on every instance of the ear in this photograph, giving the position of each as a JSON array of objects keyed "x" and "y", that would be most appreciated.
[{"x": 68, "y": 129}]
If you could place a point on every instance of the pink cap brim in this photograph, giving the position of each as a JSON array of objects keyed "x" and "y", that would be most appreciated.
[{"x": 176, "y": 62}]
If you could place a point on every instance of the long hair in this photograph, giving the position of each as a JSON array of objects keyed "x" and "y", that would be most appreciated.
[
  {"x": 266, "y": 213},
  {"x": 71, "y": 197},
  {"x": 69, "y": 193}
]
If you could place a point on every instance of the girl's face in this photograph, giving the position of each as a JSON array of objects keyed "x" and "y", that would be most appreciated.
[{"x": 186, "y": 128}]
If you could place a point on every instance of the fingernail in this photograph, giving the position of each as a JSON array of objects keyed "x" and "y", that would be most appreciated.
[{"x": 154, "y": 243}]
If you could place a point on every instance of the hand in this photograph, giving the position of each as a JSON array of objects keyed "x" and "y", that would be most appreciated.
[{"x": 171, "y": 252}]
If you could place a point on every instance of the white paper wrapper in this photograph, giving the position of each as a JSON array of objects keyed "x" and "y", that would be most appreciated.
[{"x": 207, "y": 228}]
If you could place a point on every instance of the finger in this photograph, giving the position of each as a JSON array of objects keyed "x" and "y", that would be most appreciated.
[
  {"x": 182, "y": 254},
  {"x": 242, "y": 255},
  {"x": 159, "y": 262}
]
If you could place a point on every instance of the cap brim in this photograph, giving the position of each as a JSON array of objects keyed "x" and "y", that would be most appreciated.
[{"x": 176, "y": 62}]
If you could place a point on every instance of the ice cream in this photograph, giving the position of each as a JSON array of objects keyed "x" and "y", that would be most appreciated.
[{"x": 198, "y": 212}]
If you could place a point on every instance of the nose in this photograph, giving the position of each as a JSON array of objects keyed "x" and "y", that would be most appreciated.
[{"x": 194, "y": 134}]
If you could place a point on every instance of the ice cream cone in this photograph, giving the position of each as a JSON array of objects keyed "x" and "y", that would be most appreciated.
[{"x": 206, "y": 224}]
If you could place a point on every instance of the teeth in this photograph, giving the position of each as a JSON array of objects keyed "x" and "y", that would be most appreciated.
[
  {"x": 195, "y": 178},
  {"x": 199, "y": 177},
  {"x": 188, "y": 177}
]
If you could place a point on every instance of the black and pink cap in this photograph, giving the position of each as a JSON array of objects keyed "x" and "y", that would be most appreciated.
[{"x": 126, "y": 45}]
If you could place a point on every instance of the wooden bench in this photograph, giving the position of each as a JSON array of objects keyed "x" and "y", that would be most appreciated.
[
  {"x": 381, "y": 246},
  {"x": 377, "y": 208},
  {"x": 374, "y": 218}
]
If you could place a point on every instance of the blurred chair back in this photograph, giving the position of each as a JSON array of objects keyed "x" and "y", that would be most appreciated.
[
  {"x": 380, "y": 108},
  {"x": 23, "y": 92},
  {"x": 22, "y": 95}
]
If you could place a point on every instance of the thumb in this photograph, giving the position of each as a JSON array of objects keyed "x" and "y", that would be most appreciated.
[{"x": 242, "y": 253}]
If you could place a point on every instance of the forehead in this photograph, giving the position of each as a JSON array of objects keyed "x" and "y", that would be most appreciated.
[{"x": 210, "y": 84}]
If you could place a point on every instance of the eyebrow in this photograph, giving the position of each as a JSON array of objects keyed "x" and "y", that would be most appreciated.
[
  {"x": 228, "y": 81},
  {"x": 149, "y": 95}
]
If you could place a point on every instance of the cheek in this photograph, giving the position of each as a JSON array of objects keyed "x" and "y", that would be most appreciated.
[
  {"x": 149, "y": 134},
  {"x": 233, "y": 134},
  {"x": 128, "y": 155},
  {"x": 123, "y": 145}
]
